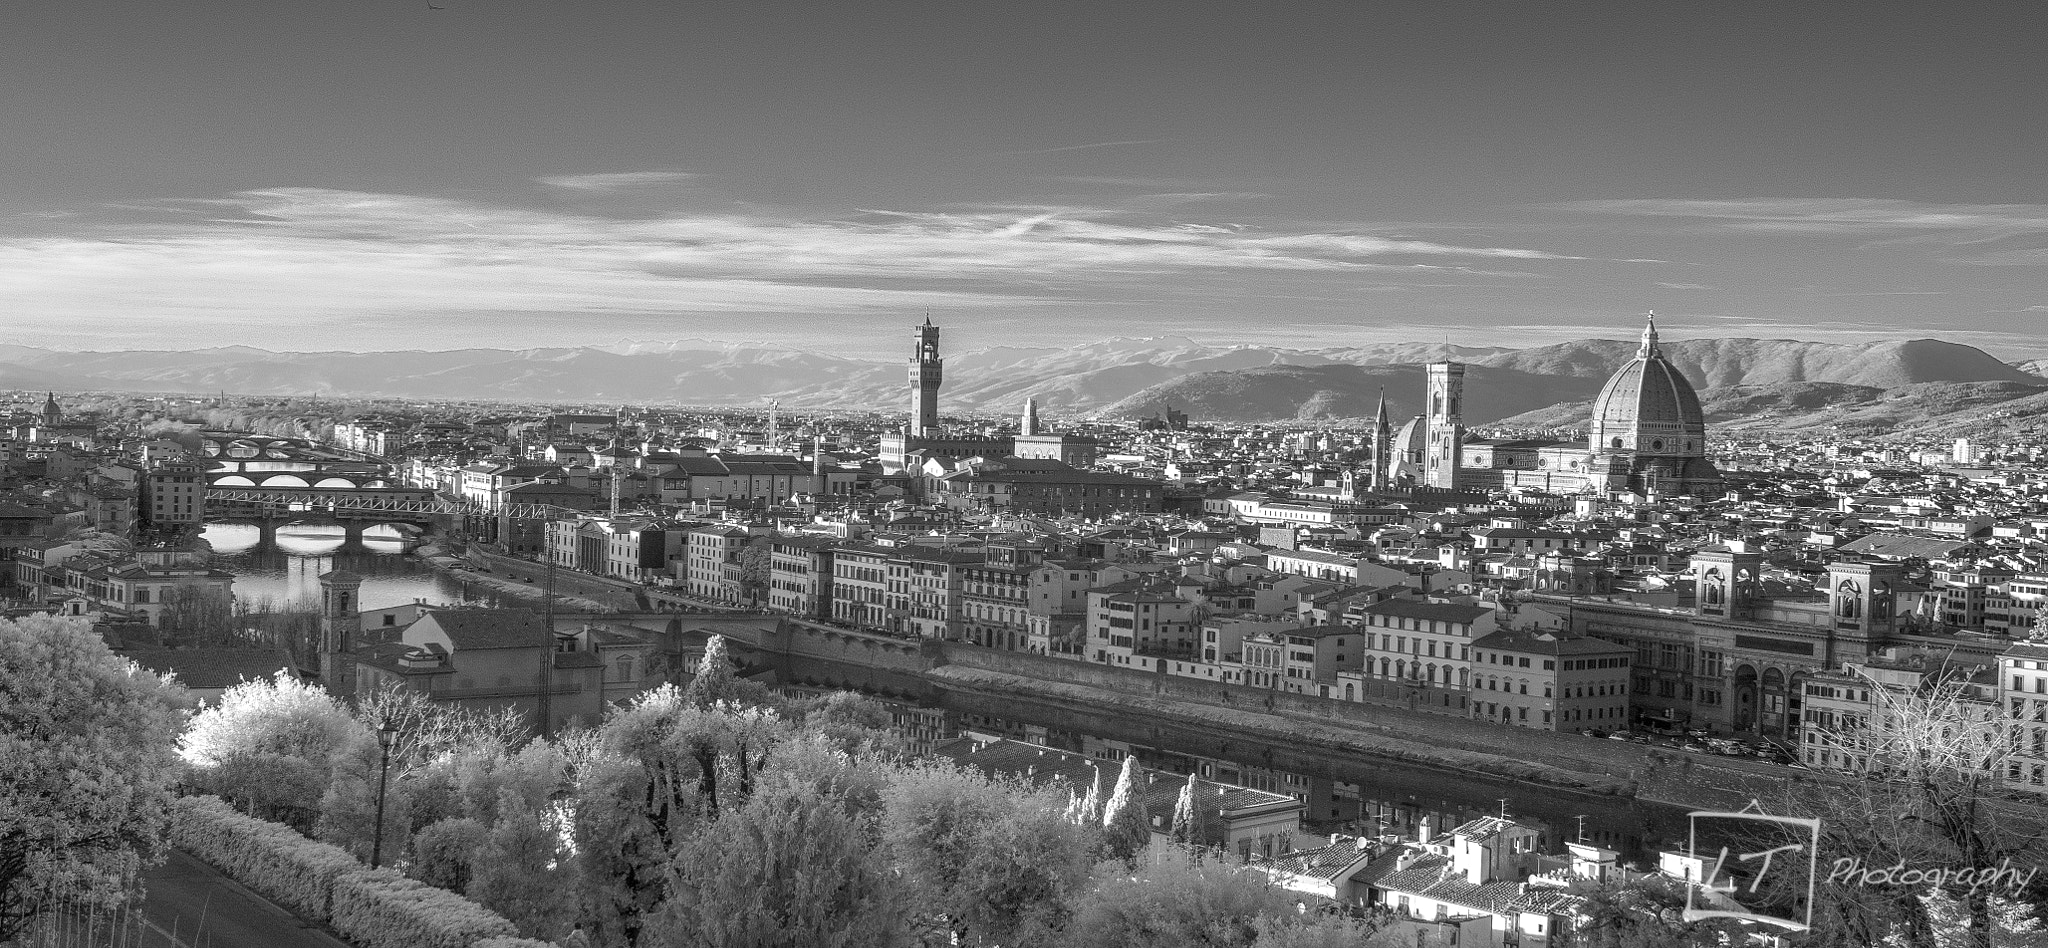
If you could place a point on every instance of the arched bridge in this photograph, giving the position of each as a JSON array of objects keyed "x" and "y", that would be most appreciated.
[{"x": 364, "y": 503}]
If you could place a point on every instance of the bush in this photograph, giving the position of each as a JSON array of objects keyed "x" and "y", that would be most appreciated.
[
  {"x": 444, "y": 853},
  {"x": 380, "y": 908},
  {"x": 270, "y": 858}
]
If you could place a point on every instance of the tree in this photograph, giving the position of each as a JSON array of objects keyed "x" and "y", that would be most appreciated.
[
  {"x": 1647, "y": 912},
  {"x": 522, "y": 872},
  {"x": 1939, "y": 751},
  {"x": 790, "y": 867},
  {"x": 754, "y": 561},
  {"x": 86, "y": 762},
  {"x": 348, "y": 810},
  {"x": 444, "y": 852},
  {"x": 196, "y": 616},
  {"x": 716, "y": 682},
  {"x": 996, "y": 859},
  {"x": 1126, "y": 826},
  {"x": 269, "y": 746},
  {"x": 280, "y": 715},
  {"x": 1194, "y": 824},
  {"x": 1179, "y": 898}
]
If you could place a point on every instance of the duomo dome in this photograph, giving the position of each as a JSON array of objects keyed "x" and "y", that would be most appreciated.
[{"x": 1648, "y": 408}]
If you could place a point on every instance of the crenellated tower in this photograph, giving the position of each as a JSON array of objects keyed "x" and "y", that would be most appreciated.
[{"x": 927, "y": 372}]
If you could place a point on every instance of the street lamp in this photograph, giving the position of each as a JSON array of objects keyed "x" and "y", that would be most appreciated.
[{"x": 386, "y": 732}]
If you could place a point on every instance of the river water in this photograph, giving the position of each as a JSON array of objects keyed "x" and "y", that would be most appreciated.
[
  {"x": 1349, "y": 792},
  {"x": 286, "y": 573}
]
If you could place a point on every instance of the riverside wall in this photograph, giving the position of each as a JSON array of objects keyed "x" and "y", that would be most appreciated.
[
  {"x": 1568, "y": 751},
  {"x": 840, "y": 657}
]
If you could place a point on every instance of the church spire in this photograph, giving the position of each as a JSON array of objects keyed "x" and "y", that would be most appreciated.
[{"x": 1649, "y": 347}]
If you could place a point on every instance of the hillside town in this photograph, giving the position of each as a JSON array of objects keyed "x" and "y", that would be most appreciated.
[
  {"x": 1771, "y": 607},
  {"x": 1657, "y": 584}
]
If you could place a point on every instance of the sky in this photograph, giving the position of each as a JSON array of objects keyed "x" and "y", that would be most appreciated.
[{"x": 378, "y": 174}]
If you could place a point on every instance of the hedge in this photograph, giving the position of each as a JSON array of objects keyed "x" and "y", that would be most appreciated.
[
  {"x": 372, "y": 908},
  {"x": 382, "y": 908},
  {"x": 271, "y": 858}
]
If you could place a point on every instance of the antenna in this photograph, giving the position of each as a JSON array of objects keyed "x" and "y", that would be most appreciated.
[
  {"x": 543, "y": 704},
  {"x": 1503, "y": 807},
  {"x": 1582, "y": 827}
]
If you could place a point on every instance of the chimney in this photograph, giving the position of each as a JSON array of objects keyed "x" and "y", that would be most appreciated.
[{"x": 1422, "y": 830}]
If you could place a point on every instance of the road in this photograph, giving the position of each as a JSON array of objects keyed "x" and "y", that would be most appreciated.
[
  {"x": 616, "y": 592},
  {"x": 191, "y": 905}
]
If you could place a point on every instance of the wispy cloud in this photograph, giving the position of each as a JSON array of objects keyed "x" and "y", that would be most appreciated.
[
  {"x": 1969, "y": 231},
  {"x": 616, "y": 181},
  {"x": 1685, "y": 286},
  {"x": 287, "y": 253},
  {"x": 1839, "y": 215},
  {"x": 1090, "y": 146}
]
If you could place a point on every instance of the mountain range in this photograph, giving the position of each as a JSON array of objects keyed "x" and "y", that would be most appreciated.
[{"x": 1783, "y": 383}]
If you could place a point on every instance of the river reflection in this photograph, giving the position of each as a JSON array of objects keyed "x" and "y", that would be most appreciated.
[
  {"x": 1346, "y": 792},
  {"x": 286, "y": 572}
]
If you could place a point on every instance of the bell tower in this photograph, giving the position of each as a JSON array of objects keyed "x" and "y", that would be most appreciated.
[
  {"x": 341, "y": 625},
  {"x": 1863, "y": 597},
  {"x": 1382, "y": 444},
  {"x": 1726, "y": 581},
  {"x": 1445, "y": 448},
  {"x": 927, "y": 370}
]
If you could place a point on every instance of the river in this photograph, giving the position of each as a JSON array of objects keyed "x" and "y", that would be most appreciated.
[
  {"x": 1344, "y": 791},
  {"x": 287, "y": 572}
]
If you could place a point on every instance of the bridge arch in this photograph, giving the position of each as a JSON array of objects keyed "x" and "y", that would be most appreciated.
[
  {"x": 285, "y": 480},
  {"x": 233, "y": 480},
  {"x": 333, "y": 482}
]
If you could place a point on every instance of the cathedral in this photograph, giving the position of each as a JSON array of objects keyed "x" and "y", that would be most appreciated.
[{"x": 1646, "y": 436}]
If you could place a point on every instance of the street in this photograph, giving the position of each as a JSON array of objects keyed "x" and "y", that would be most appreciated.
[{"x": 191, "y": 905}]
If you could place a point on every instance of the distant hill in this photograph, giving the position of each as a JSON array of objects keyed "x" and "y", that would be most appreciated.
[
  {"x": 1329, "y": 392},
  {"x": 1718, "y": 363},
  {"x": 1926, "y": 407},
  {"x": 1790, "y": 381}
]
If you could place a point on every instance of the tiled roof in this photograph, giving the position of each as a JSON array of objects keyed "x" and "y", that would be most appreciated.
[
  {"x": 213, "y": 667},
  {"x": 1421, "y": 609},
  {"x": 1557, "y": 644},
  {"x": 489, "y": 628},
  {"x": 1323, "y": 862},
  {"x": 1434, "y": 876}
]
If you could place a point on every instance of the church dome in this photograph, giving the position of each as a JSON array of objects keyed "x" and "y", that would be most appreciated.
[{"x": 1649, "y": 408}]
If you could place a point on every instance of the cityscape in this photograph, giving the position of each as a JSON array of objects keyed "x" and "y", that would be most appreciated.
[{"x": 1074, "y": 497}]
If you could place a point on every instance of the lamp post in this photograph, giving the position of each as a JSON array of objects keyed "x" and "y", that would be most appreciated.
[{"x": 385, "y": 733}]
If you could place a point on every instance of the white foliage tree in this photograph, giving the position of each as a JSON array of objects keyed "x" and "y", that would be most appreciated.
[{"x": 86, "y": 763}]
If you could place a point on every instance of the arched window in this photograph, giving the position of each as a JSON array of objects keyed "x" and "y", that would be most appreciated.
[
  {"x": 1849, "y": 604},
  {"x": 1616, "y": 442}
]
